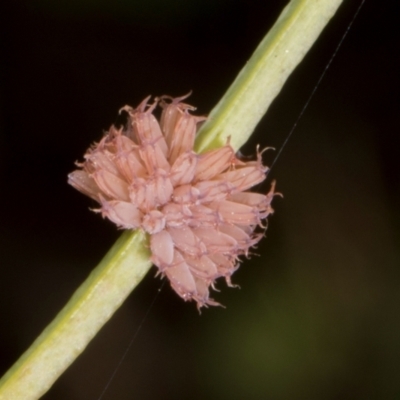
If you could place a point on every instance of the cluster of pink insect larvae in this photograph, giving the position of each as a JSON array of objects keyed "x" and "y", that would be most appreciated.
[{"x": 195, "y": 207}]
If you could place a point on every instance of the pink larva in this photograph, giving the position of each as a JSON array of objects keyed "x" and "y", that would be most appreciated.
[{"x": 195, "y": 207}]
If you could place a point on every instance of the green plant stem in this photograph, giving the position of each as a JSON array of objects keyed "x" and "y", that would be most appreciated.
[
  {"x": 123, "y": 267},
  {"x": 258, "y": 83},
  {"x": 88, "y": 310}
]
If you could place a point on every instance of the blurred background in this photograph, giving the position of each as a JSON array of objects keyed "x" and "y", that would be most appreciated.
[{"x": 317, "y": 315}]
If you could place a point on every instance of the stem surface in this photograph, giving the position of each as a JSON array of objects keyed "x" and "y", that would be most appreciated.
[
  {"x": 258, "y": 83},
  {"x": 87, "y": 311}
]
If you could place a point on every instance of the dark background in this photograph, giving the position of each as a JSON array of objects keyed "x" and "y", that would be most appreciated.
[{"x": 317, "y": 315}]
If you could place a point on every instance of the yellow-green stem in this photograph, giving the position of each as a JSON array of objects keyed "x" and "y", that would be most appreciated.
[
  {"x": 88, "y": 310},
  {"x": 258, "y": 83},
  {"x": 123, "y": 267}
]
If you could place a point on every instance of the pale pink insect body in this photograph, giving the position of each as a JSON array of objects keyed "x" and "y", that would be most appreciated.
[{"x": 195, "y": 207}]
